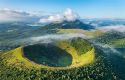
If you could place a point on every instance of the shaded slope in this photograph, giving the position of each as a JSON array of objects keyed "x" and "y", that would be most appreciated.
[{"x": 48, "y": 54}]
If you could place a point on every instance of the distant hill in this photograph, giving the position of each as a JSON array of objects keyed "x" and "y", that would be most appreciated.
[
  {"x": 77, "y": 24},
  {"x": 110, "y": 35},
  {"x": 114, "y": 38}
]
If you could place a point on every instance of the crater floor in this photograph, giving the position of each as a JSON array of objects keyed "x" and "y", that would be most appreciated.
[{"x": 48, "y": 54}]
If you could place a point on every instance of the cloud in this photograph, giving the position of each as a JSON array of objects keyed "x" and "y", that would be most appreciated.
[
  {"x": 107, "y": 49},
  {"x": 120, "y": 28},
  {"x": 48, "y": 38},
  {"x": 57, "y": 37},
  {"x": 7, "y": 15},
  {"x": 52, "y": 18},
  {"x": 68, "y": 15}
]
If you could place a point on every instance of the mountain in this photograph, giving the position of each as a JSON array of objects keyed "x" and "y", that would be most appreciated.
[{"x": 77, "y": 24}]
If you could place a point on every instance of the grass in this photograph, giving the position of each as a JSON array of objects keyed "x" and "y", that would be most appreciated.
[
  {"x": 93, "y": 33},
  {"x": 16, "y": 58},
  {"x": 118, "y": 43}
]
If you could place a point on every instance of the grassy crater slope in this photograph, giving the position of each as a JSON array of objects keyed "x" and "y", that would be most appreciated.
[
  {"x": 76, "y": 52},
  {"x": 15, "y": 66}
]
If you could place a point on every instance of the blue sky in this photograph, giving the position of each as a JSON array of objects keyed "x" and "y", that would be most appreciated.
[{"x": 85, "y": 8}]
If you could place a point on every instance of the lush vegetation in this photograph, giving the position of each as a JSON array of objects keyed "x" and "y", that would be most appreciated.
[
  {"x": 103, "y": 68},
  {"x": 118, "y": 43},
  {"x": 80, "y": 45},
  {"x": 113, "y": 38}
]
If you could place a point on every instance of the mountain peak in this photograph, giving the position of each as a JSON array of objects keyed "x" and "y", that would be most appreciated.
[{"x": 76, "y": 24}]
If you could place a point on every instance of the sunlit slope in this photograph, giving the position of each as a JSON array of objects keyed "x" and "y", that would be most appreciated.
[
  {"x": 16, "y": 58},
  {"x": 93, "y": 33},
  {"x": 81, "y": 55}
]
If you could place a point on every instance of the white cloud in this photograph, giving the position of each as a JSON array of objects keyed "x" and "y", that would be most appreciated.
[
  {"x": 52, "y": 18},
  {"x": 7, "y": 15},
  {"x": 52, "y": 37},
  {"x": 106, "y": 48},
  {"x": 68, "y": 15},
  {"x": 120, "y": 28}
]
